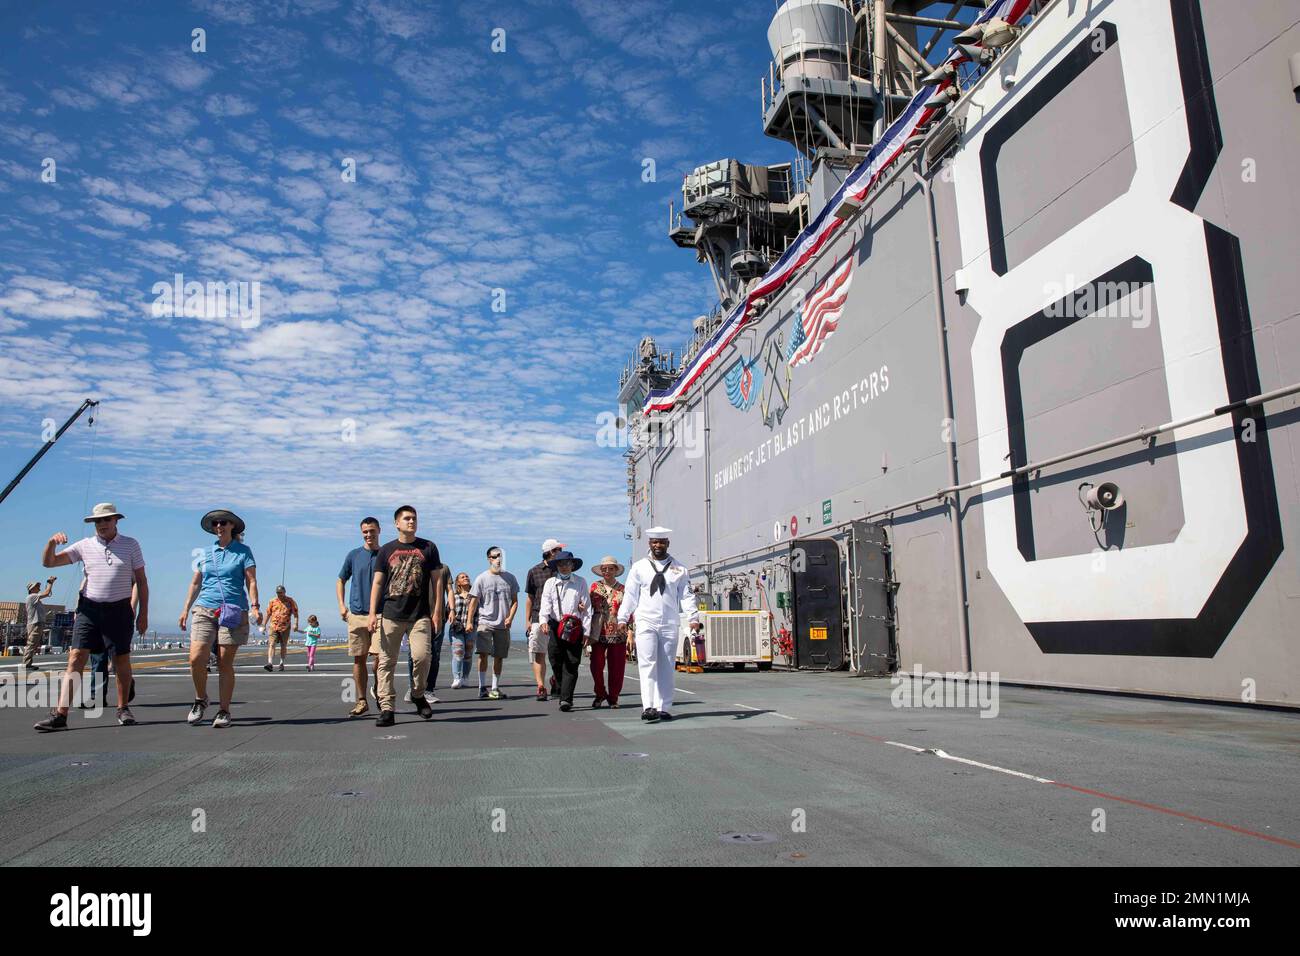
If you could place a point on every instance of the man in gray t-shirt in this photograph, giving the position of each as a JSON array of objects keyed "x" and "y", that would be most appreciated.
[
  {"x": 494, "y": 599},
  {"x": 36, "y": 620}
]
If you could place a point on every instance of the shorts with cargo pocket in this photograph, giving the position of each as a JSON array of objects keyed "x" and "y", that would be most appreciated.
[
  {"x": 360, "y": 640},
  {"x": 494, "y": 641}
]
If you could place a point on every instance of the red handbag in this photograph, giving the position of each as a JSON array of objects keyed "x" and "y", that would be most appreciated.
[{"x": 569, "y": 629}]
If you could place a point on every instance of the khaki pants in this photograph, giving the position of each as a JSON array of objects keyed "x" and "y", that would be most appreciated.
[
  {"x": 35, "y": 638},
  {"x": 390, "y": 646}
]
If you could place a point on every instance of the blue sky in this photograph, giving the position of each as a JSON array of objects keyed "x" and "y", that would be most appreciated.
[{"x": 475, "y": 171}]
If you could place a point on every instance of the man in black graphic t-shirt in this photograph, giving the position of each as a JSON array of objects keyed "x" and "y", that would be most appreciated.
[{"x": 404, "y": 575}]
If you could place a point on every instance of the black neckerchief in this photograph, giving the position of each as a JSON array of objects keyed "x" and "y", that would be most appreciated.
[{"x": 657, "y": 583}]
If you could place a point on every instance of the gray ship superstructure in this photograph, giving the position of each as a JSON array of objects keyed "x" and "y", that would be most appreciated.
[{"x": 1024, "y": 403}]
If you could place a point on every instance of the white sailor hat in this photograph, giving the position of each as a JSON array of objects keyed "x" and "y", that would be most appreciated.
[{"x": 658, "y": 532}]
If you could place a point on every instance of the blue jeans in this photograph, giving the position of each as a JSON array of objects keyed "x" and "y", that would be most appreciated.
[
  {"x": 462, "y": 654},
  {"x": 98, "y": 666},
  {"x": 435, "y": 652}
]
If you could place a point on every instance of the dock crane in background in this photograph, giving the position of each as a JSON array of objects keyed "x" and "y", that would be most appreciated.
[{"x": 88, "y": 403}]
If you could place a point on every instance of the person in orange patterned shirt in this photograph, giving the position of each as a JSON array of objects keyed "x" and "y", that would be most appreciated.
[{"x": 278, "y": 613}]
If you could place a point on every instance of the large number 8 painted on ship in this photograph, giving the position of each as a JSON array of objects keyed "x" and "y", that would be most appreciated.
[{"x": 1179, "y": 599}]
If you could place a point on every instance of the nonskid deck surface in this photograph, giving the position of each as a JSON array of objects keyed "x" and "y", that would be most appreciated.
[{"x": 793, "y": 769}]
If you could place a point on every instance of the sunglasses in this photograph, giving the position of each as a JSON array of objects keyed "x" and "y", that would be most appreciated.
[{"x": 220, "y": 523}]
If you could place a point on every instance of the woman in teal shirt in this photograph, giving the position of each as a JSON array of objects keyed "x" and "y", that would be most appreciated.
[{"x": 223, "y": 594}]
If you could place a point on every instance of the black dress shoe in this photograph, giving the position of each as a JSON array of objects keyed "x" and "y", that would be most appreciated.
[
  {"x": 422, "y": 708},
  {"x": 565, "y": 706},
  {"x": 385, "y": 719},
  {"x": 650, "y": 714},
  {"x": 664, "y": 715},
  {"x": 597, "y": 704}
]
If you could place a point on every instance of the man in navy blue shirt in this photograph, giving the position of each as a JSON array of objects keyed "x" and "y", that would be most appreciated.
[{"x": 359, "y": 568}]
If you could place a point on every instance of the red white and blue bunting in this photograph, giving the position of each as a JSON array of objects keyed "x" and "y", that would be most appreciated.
[{"x": 823, "y": 227}]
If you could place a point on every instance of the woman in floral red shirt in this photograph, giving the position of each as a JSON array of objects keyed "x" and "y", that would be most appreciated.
[{"x": 606, "y": 645}]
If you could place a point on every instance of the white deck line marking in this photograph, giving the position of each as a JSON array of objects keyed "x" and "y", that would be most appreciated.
[
  {"x": 895, "y": 743},
  {"x": 777, "y": 713},
  {"x": 972, "y": 763}
]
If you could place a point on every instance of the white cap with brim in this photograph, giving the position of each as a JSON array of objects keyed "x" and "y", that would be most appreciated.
[
  {"x": 659, "y": 533},
  {"x": 550, "y": 544}
]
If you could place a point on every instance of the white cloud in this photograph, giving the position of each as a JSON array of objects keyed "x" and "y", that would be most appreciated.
[{"x": 229, "y": 104}]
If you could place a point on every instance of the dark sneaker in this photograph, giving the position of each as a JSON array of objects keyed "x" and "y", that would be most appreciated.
[
  {"x": 267, "y": 668},
  {"x": 664, "y": 715},
  {"x": 565, "y": 706},
  {"x": 482, "y": 693},
  {"x": 422, "y": 707},
  {"x": 196, "y": 712},
  {"x": 598, "y": 703},
  {"x": 222, "y": 719},
  {"x": 55, "y": 721},
  {"x": 649, "y": 714},
  {"x": 281, "y": 667},
  {"x": 125, "y": 718},
  {"x": 541, "y": 693},
  {"x": 385, "y": 719}
]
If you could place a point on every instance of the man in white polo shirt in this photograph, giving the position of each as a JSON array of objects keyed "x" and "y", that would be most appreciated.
[{"x": 112, "y": 563}]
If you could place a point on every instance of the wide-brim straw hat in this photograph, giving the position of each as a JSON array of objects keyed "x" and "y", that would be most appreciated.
[
  {"x": 605, "y": 562},
  {"x": 206, "y": 522}
]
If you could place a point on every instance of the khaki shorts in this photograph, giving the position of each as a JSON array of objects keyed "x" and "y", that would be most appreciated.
[
  {"x": 360, "y": 640},
  {"x": 492, "y": 640},
  {"x": 537, "y": 641},
  {"x": 204, "y": 629}
]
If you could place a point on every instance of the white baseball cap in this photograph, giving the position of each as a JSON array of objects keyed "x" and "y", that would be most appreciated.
[{"x": 550, "y": 544}]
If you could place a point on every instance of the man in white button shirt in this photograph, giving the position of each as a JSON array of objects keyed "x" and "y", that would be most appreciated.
[
  {"x": 658, "y": 592},
  {"x": 565, "y": 617}
]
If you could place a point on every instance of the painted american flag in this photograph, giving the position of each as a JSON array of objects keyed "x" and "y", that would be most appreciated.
[{"x": 820, "y": 316}]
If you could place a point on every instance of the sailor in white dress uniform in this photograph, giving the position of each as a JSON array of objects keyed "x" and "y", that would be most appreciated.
[{"x": 658, "y": 592}]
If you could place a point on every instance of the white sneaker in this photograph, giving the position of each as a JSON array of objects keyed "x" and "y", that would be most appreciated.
[
  {"x": 457, "y": 684},
  {"x": 429, "y": 698}
]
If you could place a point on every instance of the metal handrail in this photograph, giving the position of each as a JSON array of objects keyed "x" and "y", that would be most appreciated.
[{"x": 1142, "y": 434}]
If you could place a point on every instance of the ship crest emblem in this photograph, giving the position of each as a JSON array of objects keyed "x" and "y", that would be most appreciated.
[{"x": 744, "y": 381}]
